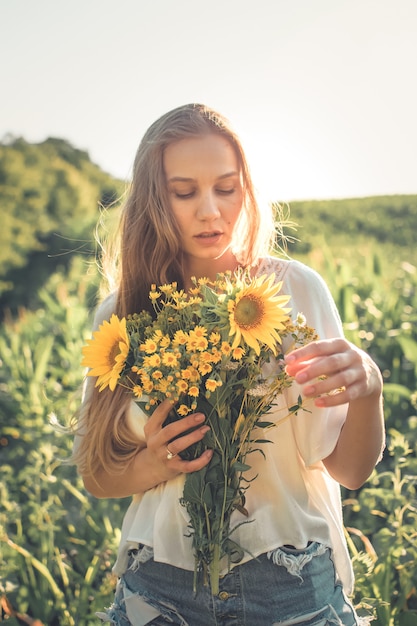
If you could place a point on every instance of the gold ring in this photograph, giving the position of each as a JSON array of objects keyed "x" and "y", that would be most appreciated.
[{"x": 170, "y": 455}]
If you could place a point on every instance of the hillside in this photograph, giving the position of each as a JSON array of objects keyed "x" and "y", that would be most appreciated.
[
  {"x": 50, "y": 194},
  {"x": 50, "y": 199},
  {"x": 389, "y": 221}
]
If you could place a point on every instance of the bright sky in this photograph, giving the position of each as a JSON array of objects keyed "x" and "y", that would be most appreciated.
[{"x": 322, "y": 92}]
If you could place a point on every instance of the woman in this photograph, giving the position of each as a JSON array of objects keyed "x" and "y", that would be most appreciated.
[{"x": 191, "y": 211}]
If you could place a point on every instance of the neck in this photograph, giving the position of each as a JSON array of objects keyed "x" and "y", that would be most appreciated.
[{"x": 202, "y": 268}]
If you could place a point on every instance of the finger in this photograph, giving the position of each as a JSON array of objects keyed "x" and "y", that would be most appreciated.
[
  {"x": 334, "y": 398},
  {"x": 340, "y": 396},
  {"x": 329, "y": 385},
  {"x": 176, "y": 465},
  {"x": 158, "y": 417},
  {"x": 323, "y": 347},
  {"x": 180, "y": 444},
  {"x": 177, "y": 428},
  {"x": 329, "y": 367},
  {"x": 197, "y": 464}
]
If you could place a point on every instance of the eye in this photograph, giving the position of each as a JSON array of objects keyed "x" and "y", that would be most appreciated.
[
  {"x": 226, "y": 192},
  {"x": 184, "y": 196}
]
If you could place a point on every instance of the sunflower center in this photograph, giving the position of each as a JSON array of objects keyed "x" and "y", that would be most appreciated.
[
  {"x": 249, "y": 312},
  {"x": 113, "y": 353}
]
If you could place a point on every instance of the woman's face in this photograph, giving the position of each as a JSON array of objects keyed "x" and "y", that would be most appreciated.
[{"x": 205, "y": 190}]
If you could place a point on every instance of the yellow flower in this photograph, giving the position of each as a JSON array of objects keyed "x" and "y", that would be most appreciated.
[
  {"x": 137, "y": 391},
  {"x": 179, "y": 296},
  {"x": 106, "y": 353},
  {"x": 193, "y": 391},
  {"x": 183, "y": 410},
  {"x": 194, "y": 375},
  {"x": 169, "y": 359},
  {"x": 163, "y": 385},
  {"x": 165, "y": 341},
  {"x": 211, "y": 385},
  {"x": 238, "y": 353},
  {"x": 216, "y": 356},
  {"x": 154, "y": 360},
  {"x": 147, "y": 386},
  {"x": 149, "y": 346},
  {"x": 201, "y": 344},
  {"x": 194, "y": 291},
  {"x": 182, "y": 386},
  {"x": 180, "y": 338},
  {"x": 167, "y": 289},
  {"x": 194, "y": 361},
  {"x": 226, "y": 348},
  {"x": 256, "y": 314},
  {"x": 204, "y": 368},
  {"x": 215, "y": 338},
  {"x": 197, "y": 340},
  {"x": 181, "y": 305}
]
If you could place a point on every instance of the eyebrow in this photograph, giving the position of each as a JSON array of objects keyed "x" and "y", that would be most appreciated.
[{"x": 191, "y": 180}]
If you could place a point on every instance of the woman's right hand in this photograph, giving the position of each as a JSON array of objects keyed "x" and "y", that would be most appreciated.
[
  {"x": 153, "y": 464},
  {"x": 164, "y": 443}
]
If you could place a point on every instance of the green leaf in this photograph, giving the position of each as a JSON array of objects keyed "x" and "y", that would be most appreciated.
[
  {"x": 261, "y": 424},
  {"x": 261, "y": 441},
  {"x": 238, "y": 466},
  {"x": 409, "y": 347},
  {"x": 407, "y": 619},
  {"x": 399, "y": 390}
]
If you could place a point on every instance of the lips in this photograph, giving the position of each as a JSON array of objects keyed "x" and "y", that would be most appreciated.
[{"x": 209, "y": 235}]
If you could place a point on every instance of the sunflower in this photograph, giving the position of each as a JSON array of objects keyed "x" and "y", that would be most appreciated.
[
  {"x": 105, "y": 354},
  {"x": 257, "y": 313}
]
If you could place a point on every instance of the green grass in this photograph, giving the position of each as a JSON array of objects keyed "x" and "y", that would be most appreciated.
[{"x": 58, "y": 543}]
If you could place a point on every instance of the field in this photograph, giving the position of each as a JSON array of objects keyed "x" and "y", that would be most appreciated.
[{"x": 58, "y": 543}]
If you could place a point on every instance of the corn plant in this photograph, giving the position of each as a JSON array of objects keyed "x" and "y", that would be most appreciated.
[
  {"x": 57, "y": 543},
  {"x": 387, "y": 509},
  {"x": 378, "y": 306}
]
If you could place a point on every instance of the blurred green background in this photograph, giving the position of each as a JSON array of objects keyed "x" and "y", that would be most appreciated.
[{"x": 57, "y": 543}]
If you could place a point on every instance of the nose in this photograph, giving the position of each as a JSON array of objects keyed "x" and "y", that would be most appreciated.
[{"x": 208, "y": 208}]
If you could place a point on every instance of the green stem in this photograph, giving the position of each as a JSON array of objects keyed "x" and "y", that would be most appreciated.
[
  {"x": 215, "y": 564},
  {"x": 215, "y": 570}
]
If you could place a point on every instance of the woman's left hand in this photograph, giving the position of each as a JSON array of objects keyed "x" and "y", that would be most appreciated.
[{"x": 334, "y": 371}]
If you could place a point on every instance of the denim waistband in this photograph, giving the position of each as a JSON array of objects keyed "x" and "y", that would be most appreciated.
[{"x": 285, "y": 587}]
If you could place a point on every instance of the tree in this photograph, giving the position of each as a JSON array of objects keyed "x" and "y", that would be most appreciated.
[{"x": 50, "y": 195}]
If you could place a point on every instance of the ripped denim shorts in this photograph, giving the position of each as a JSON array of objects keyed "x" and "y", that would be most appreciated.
[{"x": 286, "y": 587}]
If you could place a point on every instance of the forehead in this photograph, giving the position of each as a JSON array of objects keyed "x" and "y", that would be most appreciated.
[{"x": 199, "y": 156}]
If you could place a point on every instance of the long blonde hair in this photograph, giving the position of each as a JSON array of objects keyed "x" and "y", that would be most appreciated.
[{"x": 149, "y": 253}]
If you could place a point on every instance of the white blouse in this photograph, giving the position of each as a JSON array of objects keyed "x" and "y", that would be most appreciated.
[{"x": 293, "y": 499}]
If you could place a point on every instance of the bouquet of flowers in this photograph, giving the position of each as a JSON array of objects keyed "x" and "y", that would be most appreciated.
[{"x": 206, "y": 351}]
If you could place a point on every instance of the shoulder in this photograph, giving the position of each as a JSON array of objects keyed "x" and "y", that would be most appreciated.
[
  {"x": 309, "y": 293},
  {"x": 291, "y": 271},
  {"x": 105, "y": 310},
  {"x": 306, "y": 277}
]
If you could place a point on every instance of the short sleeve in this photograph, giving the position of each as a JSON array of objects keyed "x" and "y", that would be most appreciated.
[
  {"x": 136, "y": 419},
  {"x": 316, "y": 432}
]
